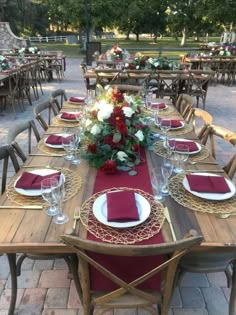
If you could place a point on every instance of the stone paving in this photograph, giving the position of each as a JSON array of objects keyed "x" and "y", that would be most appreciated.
[{"x": 44, "y": 288}]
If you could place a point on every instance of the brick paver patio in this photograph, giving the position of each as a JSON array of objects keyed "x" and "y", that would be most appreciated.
[{"x": 43, "y": 287}]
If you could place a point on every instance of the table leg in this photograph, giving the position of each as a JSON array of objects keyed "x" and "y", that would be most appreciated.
[
  {"x": 12, "y": 265},
  {"x": 232, "y": 300}
]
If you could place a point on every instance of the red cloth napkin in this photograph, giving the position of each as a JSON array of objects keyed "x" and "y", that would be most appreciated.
[
  {"x": 208, "y": 184},
  {"x": 33, "y": 181},
  {"x": 77, "y": 99},
  {"x": 56, "y": 140},
  {"x": 192, "y": 146},
  {"x": 174, "y": 123},
  {"x": 121, "y": 207},
  {"x": 70, "y": 116},
  {"x": 158, "y": 105}
]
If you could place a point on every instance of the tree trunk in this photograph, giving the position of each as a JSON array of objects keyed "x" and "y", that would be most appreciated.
[
  {"x": 183, "y": 40},
  {"x": 127, "y": 35},
  {"x": 137, "y": 37}
]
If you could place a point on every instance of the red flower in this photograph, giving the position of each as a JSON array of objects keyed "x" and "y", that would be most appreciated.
[
  {"x": 109, "y": 167},
  {"x": 92, "y": 148},
  {"x": 117, "y": 96},
  {"x": 93, "y": 113},
  {"x": 131, "y": 66},
  {"x": 109, "y": 140},
  {"x": 142, "y": 62},
  {"x": 117, "y": 116},
  {"x": 135, "y": 147},
  {"x": 121, "y": 127}
]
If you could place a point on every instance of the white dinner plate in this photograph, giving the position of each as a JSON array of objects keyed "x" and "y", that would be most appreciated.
[
  {"x": 36, "y": 192},
  {"x": 175, "y": 128},
  {"x": 100, "y": 211},
  {"x": 56, "y": 146},
  {"x": 210, "y": 196},
  {"x": 80, "y": 100},
  {"x": 186, "y": 140},
  {"x": 69, "y": 120}
]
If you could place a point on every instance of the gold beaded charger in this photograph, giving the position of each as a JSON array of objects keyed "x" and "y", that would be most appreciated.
[
  {"x": 186, "y": 199},
  {"x": 62, "y": 123},
  {"x": 160, "y": 150},
  {"x": 162, "y": 112},
  {"x": 49, "y": 150},
  {"x": 131, "y": 235},
  {"x": 174, "y": 132},
  {"x": 73, "y": 183}
]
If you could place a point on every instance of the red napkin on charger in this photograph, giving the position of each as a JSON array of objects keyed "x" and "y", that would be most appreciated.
[
  {"x": 158, "y": 105},
  {"x": 57, "y": 140},
  {"x": 121, "y": 207},
  {"x": 70, "y": 116},
  {"x": 191, "y": 144},
  {"x": 208, "y": 184},
  {"x": 174, "y": 123},
  {"x": 77, "y": 99},
  {"x": 33, "y": 181}
]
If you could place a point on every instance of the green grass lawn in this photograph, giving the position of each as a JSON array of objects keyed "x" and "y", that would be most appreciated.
[{"x": 74, "y": 50}]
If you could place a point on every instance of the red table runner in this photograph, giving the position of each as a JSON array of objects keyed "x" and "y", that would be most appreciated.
[{"x": 127, "y": 268}]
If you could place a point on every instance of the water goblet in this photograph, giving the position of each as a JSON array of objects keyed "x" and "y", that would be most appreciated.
[
  {"x": 165, "y": 127},
  {"x": 76, "y": 145},
  {"x": 157, "y": 184},
  {"x": 59, "y": 195},
  {"x": 180, "y": 155},
  {"x": 47, "y": 185},
  {"x": 166, "y": 171},
  {"x": 67, "y": 143},
  {"x": 170, "y": 148}
]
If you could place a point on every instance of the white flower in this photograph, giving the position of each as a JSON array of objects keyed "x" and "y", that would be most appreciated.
[
  {"x": 31, "y": 49},
  {"x": 139, "y": 134},
  {"x": 88, "y": 122},
  {"x": 127, "y": 111},
  {"x": 21, "y": 50},
  {"x": 104, "y": 110},
  {"x": 2, "y": 58},
  {"x": 122, "y": 156},
  {"x": 95, "y": 130}
]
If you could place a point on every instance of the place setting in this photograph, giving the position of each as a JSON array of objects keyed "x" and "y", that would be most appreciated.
[
  {"x": 68, "y": 118},
  {"x": 122, "y": 215}
]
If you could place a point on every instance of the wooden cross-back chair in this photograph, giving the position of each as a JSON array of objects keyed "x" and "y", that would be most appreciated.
[
  {"x": 127, "y": 295},
  {"x": 107, "y": 76},
  {"x": 43, "y": 113},
  {"x": 58, "y": 97},
  {"x": 197, "y": 114},
  {"x": 16, "y": 130},
  {"x": 90, "y": 83},
  {"x": 129, "y": 89},
  {"x": 184, "y": 105},
  {"x": 213, "y": 132}
]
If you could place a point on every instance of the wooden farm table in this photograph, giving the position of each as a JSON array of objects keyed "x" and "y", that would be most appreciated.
[{"x": 33, "y": 232}]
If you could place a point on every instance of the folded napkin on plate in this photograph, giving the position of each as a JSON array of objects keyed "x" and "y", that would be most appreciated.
[
  {"x": 57, "y": 140},
  {"x": 33, "y": 181},
  {"x": 174, "y": 123},
  {"x": 78, "y": 99},
  {"x": 192, "y": 146},
  {"x": 208, "y": 184},
  {"x": 70, "y": 116},
  {"x": 121, "y": 207},
  {"x": 158, "y": 105}
]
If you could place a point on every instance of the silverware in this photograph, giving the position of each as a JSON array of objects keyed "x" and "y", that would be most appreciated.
[
  {"x": 30, "y": 207},
  {"x": 39, "y": 166},
  {"x": 224, "y": 215},
  {"x": 48, "y": 155},
  {"x": 167, "y": 215},
  {"x": 76, "y": 217},
  {"x": 203, "y": 171},
  {"x": 201, "y": 162},
  {"x": 64, "y": 126}
]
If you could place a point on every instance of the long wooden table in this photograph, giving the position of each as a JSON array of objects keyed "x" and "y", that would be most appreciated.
[{"x": 33, "y": 232}]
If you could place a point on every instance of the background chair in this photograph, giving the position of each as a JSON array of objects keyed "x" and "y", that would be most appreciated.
[
  {"x": 127, "y": 295},
  {"x": 129, "y": 89},
  {"x": 16, "y": 130},
  {"x": 184, "y": 105},
  {"x": 43, "y": 113},
  {"x": 89, "y": 83},
  {"x": 58, "y": 97},
  {"x": 200, "y": 120}
]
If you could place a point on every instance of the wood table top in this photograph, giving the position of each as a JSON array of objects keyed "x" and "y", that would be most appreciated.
[{"x": 32, "y": 231}]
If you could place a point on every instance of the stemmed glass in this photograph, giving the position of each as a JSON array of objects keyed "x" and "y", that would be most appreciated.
[
  {"x": 59, "y": 194},
  {"x": 170, "y": 148},
  {"x": 181, "y": 155},
  {"x": 67, "y": 143},
  {"x": 165, "y": 127},
  {"x": 166, "y": 171},
  {"x": 157, "y": 184},
  {"x": 76, "y": 145},
  {"x": 47, "y": 186}
]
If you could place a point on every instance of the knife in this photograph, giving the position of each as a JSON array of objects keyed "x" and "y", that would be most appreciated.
[
  {"x": 167, "y": 215},
  {"x": 202, "y": 171},
  {"x": 30, "y": 207},
  {"x": 48, "y": 155}
]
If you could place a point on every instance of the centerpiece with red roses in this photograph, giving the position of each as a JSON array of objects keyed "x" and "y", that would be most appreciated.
[
  {"x": 114, "y": 132},
  {"x": 116, "y": 53}
]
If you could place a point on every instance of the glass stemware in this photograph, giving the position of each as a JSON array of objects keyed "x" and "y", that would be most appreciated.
[
  {"x": 180, "y": 155},
  {"x": 67, "y": 143},
  {"x": 165, "y": 127},
  {"x": 47, "y": 186},
  {"x": 59, "y": 194},
  {"x": 76, "y": 144},
  {"x": 166, "y": 171},
  {"x": 157, "y": 184}
]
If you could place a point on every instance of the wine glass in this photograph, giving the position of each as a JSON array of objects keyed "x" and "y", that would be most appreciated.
[
  {"x": 157, "y": 184},
  {"x": 59, "y": 194},
  {"x": 170, "y": 148},
  {"x": 166, "y": 171},
  {"x": 67, "y": 143},
  {"x": 76, "y": 145},
  {"x": 180, "y": 155},
  {"x": 165, "y": 127},
  {"x": 47, "y": 185}
]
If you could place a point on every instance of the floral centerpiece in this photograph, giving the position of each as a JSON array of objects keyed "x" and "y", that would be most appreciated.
[
  {"x": 27, "y": 50},
  {"x": 116, "y": 52},
  {"x": 114, "y": 132},
  {"x": 5, "y": 64}
]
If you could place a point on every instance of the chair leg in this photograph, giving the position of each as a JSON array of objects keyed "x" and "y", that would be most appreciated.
[
  {"x": 232, "y": 299},
  {"x": 228, "y": 277},
  {"x": 12, "y": 265}
]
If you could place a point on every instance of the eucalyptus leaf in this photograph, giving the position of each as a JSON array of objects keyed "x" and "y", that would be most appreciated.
[
  {"x": 116, "y": 137},
  {"x": 124, "y": 168},
  {"x": 132, "y": 173}
]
